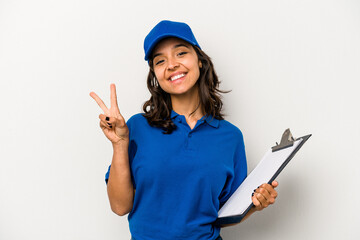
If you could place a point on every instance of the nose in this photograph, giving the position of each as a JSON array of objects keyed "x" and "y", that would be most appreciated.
[{"x": 172, "y": 63}]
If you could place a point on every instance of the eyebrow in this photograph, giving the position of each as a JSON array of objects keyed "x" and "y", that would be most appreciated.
[{"x": 176, "y": 46}]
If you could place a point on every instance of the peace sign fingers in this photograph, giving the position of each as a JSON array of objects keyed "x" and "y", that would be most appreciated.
[
  {"x": 111, "y": 122},
  {"x": 99, "y": 102},
  {"x": 113, "y": 97}
]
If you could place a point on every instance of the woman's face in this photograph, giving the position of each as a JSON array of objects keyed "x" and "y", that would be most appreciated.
[{"x": 176, "y": 66}]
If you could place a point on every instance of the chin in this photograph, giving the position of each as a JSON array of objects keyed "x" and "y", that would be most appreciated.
[{"x": 180, "y": 90}]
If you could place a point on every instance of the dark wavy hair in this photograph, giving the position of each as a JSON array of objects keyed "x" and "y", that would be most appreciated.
[{"x": 158, "y": 108}]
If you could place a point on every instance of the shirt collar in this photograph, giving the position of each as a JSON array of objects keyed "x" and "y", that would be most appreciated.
[{"x": 208, "y": 118}]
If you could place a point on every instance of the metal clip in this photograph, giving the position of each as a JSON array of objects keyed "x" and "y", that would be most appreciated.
[{"x": 287, "y": 140}]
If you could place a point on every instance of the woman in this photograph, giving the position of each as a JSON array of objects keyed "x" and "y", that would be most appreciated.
[{"x": 177, "y": 163}]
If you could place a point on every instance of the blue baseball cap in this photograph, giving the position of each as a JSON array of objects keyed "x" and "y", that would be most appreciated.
[{"x": 166, "y": 29}]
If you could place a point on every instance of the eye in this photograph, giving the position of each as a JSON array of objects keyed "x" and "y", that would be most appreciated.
[
  {"x": 159, "y": 62},
  {"x": 182, "y": 53}
]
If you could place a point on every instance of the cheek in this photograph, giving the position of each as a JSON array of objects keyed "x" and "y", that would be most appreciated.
[
  {"x": 196, "y": 72},
  {"x": 160, "y": 73},
  {"x": 194, "y": 66}
]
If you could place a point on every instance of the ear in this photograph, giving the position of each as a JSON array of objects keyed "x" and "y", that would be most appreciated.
[{"x": 200, "y": 64}]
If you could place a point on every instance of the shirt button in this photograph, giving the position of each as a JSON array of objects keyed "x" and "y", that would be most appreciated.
[{"x": 190, "y": 135}]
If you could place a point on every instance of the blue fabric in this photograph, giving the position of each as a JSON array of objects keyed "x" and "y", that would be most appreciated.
[
  {"x": 166, "y": 29},
  {"x": 182, "y": 178}
]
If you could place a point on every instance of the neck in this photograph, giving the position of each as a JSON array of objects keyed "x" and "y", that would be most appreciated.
[{"x": 185, "y": 104}]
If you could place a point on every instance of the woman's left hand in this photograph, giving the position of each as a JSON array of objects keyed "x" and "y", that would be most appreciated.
[{"x": 264, "y": 195}]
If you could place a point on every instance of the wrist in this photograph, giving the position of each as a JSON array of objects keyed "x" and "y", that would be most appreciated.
[
  {"x": 122, "y": 144},
  {"x": 253, "y": 209}
]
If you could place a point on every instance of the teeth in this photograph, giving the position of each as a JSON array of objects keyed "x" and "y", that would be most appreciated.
[{"x": 177, "y": 77}]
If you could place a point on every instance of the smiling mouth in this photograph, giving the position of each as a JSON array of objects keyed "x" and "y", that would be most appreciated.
[{"x": 176, "y": 77}]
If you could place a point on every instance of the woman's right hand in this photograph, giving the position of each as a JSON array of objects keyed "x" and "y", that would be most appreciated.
[{"x": 112, "y": 122}]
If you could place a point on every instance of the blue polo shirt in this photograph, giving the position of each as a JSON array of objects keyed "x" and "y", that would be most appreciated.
[{"x": 182, "y": 178}]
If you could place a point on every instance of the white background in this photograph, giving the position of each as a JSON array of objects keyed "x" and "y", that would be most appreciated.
[{"x": 288, "y": 63}]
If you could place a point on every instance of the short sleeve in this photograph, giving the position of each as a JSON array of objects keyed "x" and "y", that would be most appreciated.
[
  {"x": 107, "y": 175},
  {"x": 239, "y": 171},
  {"x": 132, "y": 151}
]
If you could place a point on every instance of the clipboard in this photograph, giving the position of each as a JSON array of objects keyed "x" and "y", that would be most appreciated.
[{"x": 270, "y": 166}]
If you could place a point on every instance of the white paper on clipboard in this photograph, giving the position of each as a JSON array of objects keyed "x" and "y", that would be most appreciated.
[{"x": 240, "y": 200}]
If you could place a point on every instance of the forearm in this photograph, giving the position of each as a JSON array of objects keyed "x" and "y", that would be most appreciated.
[
  {"x": 120, "y": 188},
  {"x": 249, "y": 213}
]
